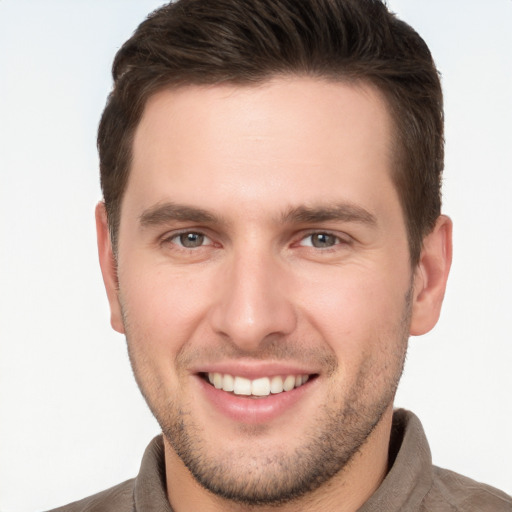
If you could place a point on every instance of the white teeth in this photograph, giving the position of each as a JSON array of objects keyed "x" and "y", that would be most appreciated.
[
  {"x": 242, "y": 386},
  {"x": 257, "y": 387},
  {"x": 217, "y": 380},
  {"x": 289, "y": 383},
  {"x": 276, "y": 385},
  {"x": 229, "y": 383},
  {"x": 261, "y": 387}
]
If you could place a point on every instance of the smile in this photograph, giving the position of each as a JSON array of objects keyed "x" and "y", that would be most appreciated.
[{"x": 263, "y": 386}]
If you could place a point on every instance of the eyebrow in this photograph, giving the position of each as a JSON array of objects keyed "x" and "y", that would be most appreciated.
[
  {"x": 344, "y": 212},
  {"x": 168, "y": 212}
]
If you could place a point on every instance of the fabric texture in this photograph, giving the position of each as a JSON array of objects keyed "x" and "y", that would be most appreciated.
[{"x": 412, "y": 484}]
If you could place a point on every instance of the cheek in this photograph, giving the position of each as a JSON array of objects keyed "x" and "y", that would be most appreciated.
[
  {"x": 357, "y": 313},
  {"x": 162, "y": 309}
]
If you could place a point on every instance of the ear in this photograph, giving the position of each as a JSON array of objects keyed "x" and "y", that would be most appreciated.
[
  {"x": 108, "y": 267},
  {"x": 430, "y": 277}
]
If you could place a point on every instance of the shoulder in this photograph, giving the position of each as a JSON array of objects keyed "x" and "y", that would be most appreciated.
[
  {"x": 453, "y": 492},
  {"x": 116, "y": 499}
]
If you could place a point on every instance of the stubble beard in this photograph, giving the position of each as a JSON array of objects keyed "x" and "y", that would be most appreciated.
[
  {"x": 341, "y": 429},
  {"x": 281, "y": 477}
]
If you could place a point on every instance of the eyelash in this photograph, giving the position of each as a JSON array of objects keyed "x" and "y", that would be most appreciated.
[
  {"x": 338, "y": 240},
  {"x": 176, "y": 236},
  {"x": 174, "y": 239}
]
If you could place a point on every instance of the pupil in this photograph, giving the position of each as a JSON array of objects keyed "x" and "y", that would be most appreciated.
[{"x": 191, "y": 239}]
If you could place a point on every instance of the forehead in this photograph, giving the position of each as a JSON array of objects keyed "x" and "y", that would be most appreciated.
[{"x": 283, "y": 143}]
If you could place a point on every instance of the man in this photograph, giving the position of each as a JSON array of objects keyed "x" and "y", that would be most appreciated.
[{"x": 270, "y": 236}]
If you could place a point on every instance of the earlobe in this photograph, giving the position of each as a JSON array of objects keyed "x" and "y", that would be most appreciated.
[
  {"x": 108, "y": 267},
  {"x": 431, "y": 276}
]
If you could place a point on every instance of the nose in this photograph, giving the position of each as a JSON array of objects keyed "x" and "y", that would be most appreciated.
[{"x": 252, "y": 303}]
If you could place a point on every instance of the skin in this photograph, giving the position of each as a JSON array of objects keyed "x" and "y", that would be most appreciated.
[{"x": 273, "y": 169}]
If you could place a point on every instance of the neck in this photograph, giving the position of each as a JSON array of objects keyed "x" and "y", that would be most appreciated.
[{"x": 347, "y": 491}]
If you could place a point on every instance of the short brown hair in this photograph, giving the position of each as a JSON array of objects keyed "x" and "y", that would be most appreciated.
[{"x": 194, "y": 42}]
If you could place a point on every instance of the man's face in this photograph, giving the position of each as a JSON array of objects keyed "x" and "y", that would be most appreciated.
[{"x": 262, "y": 245}]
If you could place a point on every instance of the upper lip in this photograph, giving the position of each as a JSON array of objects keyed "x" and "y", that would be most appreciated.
[{"x": 254, "y": 370}]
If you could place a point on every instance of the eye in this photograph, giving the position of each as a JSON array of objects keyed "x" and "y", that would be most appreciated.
[
  {"x": 190, "y": 240},
  {"x": 321, "y": 240}
]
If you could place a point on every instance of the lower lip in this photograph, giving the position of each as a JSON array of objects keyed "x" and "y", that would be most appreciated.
[{"x": 247, "y": 410}]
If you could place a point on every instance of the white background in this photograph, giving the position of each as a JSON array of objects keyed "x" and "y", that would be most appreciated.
[{"x": 71, "y": 418}]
